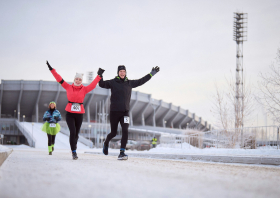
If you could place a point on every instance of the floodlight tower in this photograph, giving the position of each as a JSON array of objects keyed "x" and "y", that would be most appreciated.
[{"x": 239, "y": 35}]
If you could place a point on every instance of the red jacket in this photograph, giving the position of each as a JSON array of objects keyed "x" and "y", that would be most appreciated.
[{"x": 75, "y": 94}]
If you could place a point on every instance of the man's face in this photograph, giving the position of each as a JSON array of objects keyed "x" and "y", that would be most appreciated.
[{"x": 122, "y": 73}]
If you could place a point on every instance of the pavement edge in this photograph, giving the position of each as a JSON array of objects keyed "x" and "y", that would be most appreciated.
[{"x": 4, "y": 155}]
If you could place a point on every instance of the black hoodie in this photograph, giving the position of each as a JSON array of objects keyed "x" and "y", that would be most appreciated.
[{"x": 121, "y": 91}]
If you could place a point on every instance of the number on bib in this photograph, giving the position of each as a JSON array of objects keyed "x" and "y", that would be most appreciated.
[
  {"x": 126, "y": 119},
  {"x": 53, "y": 125},
  {"x": 76, "y": 107}
]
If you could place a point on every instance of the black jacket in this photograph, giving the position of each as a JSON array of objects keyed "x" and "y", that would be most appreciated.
[{"x": 121, "y": 91}]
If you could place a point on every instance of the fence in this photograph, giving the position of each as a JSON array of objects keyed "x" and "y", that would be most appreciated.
[{"x": 266, "y": 137}]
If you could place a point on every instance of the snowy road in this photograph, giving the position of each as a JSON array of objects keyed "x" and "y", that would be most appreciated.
[{"x": 31, "y": 173}]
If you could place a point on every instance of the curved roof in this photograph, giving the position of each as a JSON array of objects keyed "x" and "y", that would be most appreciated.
[{"x": 31, "y": 98}]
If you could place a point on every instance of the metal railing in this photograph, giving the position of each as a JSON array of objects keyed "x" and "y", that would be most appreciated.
[
  {"x": 30, "y": 139},
  {"x": 247, "y": 137},
  {"x": 83, "y": 140},
  {"x": 264, "y": 137}
]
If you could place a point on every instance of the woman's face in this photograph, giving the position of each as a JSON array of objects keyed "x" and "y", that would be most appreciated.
[
  {"x": 52, "y": 106},
  {"x": 78, "y": 81}
]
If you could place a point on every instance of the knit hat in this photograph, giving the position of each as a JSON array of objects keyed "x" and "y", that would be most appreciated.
[
  {"x": 53, "y": 103},
  {"x": 121, "y": 67},
  {"x": 79, "y": 75}
]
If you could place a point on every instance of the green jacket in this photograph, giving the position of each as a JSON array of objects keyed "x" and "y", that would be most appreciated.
[{"x": 154, "y": 141}]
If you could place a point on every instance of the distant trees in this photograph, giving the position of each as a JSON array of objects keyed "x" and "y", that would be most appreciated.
[
  {"x": 225, "y": 105},
  {"x": 269, "y": 86}
]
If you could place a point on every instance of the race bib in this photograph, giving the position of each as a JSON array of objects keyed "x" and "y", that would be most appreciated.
[
  {"x": 53, "y": 125},
  {"x": 126, "y": 119},
  {"x": 76, "y": 107}
]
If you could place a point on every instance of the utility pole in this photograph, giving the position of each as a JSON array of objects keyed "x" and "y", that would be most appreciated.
[{"x": 239, "y": 35}]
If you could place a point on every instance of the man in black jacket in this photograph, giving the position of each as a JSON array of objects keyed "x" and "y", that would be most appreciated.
[{"x": 121, "y": 88}]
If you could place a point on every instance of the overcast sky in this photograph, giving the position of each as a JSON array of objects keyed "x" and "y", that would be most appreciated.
[{"x": 191, "y": 42}]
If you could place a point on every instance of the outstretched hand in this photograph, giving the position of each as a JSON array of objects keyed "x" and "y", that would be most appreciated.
[
  {"x": 100, "y": 72},
  {"x": 50, "y": 67},
  {"x": 154, "y": 70}
]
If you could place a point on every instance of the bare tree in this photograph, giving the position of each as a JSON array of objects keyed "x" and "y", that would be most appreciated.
[
  {"x": 225, "y": 106},
  {"x": 269, "y": 87}
]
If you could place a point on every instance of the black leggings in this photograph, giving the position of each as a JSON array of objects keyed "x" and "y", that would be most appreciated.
[
  {"x": 74, "y": 122},
  {"x": 115, "y": 118},
  {"x": 51, "y": 139}
]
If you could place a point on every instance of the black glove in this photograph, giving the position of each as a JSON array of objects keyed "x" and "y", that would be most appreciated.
[
  {"x": 56, "y": 118},
  {"x": 50, "y": 67},
  {"x": 48, "y": 119},
  {"x": 154, "y": 70},
  {"x": 100, "y": 72}
]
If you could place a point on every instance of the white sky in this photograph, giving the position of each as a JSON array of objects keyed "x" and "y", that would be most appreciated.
[{"x": 191, "y": 41}]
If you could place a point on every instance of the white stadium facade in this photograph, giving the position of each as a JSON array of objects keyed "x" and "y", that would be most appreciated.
[{"x": 23, "y": 100}]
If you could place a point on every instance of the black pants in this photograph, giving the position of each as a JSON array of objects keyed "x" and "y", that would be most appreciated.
[
  {"x": 115, "y": 118},
  {"x": 51, "y": 139},
  {"x": 74, "y": 122}
]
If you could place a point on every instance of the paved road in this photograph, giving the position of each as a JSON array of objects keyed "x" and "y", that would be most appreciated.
[{"x": 29, "y": 173}]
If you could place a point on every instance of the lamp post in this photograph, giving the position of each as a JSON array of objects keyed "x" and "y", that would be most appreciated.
[
  {"x": 15, "y": 113},
  {"x": 23, "y": 121},
  {"x": 89, "y": 131},
  {"x": 32, "y": 134}
]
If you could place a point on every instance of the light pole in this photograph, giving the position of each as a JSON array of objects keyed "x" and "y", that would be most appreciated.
[
  {"x": 15, "y": 113},
  {"x": 89, "y": 131},
  {"x": 23, "y": 121},
  {"x": 32, "y": 134}
]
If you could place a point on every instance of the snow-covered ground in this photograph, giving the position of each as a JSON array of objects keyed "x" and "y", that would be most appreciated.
[
  {"x": 187, "y": 149},
  {"x": 33, "y": 173},
  {"x": 4, "y": 148},
  {"x": 61, "y": 140}
]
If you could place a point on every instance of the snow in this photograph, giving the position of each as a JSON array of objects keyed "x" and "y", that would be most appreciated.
[
  {"x": 4, "y": 148},
  {"x": 34, "y": 173},
  {"x": 188, "y": 149},
  {"x": 214, "y": 151},
  {"x": 41, "y": 139}
]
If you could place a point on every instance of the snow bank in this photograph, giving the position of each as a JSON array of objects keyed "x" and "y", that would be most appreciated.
[
  {"x": 4, "y": 148},
  {"x": 186, "y": 149}
]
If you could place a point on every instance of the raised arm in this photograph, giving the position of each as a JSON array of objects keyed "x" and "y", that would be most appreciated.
[
  {"x": 102, "y": 83},
  {"x": 141, "y": 81},
  {"x": 58, "y": 78},
  {"x": 93, "y": 84}
]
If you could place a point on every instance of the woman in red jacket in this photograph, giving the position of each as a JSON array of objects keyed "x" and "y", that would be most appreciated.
[{"x": 75, "y": 108}]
